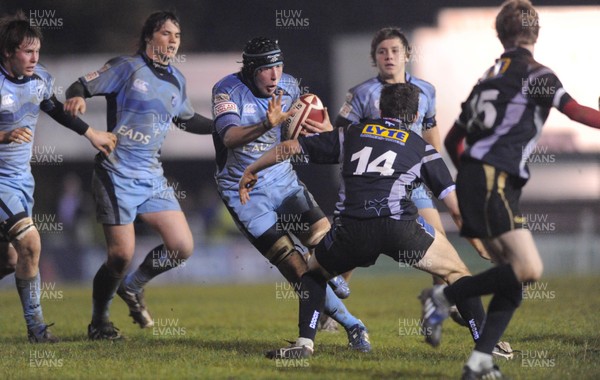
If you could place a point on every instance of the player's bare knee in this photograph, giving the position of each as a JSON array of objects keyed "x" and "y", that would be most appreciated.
[
  {"x": 318, "y": 230},
  {"x": 530, "y": 274},
  {"x": 182, "y": 250},
  {"x": 118, "y": 261}
]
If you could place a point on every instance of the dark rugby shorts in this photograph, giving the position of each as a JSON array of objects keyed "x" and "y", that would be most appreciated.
[
  {"x": 488, "y": 199},
  {"x": 355, "y": 243}
]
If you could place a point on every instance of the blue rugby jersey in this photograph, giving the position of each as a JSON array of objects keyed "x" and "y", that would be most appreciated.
[
  {"x": 142, "y": 98},
  {"x": 380, "y": 164},
  {"x": 362, "y": 102},
  {"x": 235, "y": 105},
  {"x": 21, "y": 100}
]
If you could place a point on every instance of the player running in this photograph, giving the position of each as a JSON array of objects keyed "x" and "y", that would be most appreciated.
[
  {"x": 248, "y": 108},
  {"x": 390, "y": 51},
  {"x": 501, "y": 120},
  {"x": 144, "y": 94},
  {"x": 381, "y": 164},
  {"x": 25, "y": 89}
]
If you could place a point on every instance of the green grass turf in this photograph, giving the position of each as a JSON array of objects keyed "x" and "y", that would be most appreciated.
[{"x": 221, "y": 331}]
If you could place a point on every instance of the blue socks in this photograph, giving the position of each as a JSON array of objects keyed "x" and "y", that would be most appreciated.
[{"x": 29, "y": 292}]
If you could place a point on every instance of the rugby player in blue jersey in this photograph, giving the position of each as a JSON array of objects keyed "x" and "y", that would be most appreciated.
[
  {"x": 25, "y": 89},
  {"x": 501, "y": 122},
  {"x": 145, "y": 94},
  {"x": 381, "y": 163},
  {"x": 248, "y": 108}
]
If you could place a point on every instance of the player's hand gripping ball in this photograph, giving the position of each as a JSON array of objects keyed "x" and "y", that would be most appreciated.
[{"x": 307, "y": 106}]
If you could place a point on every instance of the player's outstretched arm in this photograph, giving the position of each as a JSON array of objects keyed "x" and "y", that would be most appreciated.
[
  {"x": 105, "y": 142},
  {"x": 582, "y": 114},
  {"x": 454, "y": 143},
  {"x": 17, "y": 135},
  {"x": 197, "y": 124},
  {"x": 75, "y": 103},
  {"x": 271, "y": 157},
  {"x": 242, "y": 135}
]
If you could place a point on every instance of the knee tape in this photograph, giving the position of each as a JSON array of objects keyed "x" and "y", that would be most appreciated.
[
  {"x": 20, "y": 229},
  {"x": 280, "y": 250},
  {"x": 316, "y": 234}
]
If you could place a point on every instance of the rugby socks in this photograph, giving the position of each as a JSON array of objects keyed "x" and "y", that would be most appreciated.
[
  {"x": 335, "y": 308},
  {"x": 494, "y": 280},
  {"x": 471, "y": 310},
  {"x": 312, "y": 298},
  {"x": 156, "y": 262},
  {"x": 500, "y": 281},
  {"x": 30, "y": 294},
  {"x": 500, "y": 311},
  {"x": 106, "y": 283}
]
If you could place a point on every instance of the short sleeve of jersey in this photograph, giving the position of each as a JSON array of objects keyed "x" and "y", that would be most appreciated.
[
  {"x": 429, "y": 118},
  {"x": 545, "y": 89},
  {"x": 323, "y": 148},
  {"x": 45, "y": 88},
  {"x": 225, "y": 110},
  {"x": 351, "y": 109},
  {"x": 109, "y": 78},
  {"x": 435, "y": 173},
  {"x": 187, "y": 110}
]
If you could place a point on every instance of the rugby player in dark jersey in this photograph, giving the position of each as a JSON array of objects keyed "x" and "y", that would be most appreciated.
[
  {"x": 381, "y": 163},
  {"x": 501, "y": 122}
]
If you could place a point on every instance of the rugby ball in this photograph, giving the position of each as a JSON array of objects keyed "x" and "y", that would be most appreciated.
[{"x": 307, "y": 106}]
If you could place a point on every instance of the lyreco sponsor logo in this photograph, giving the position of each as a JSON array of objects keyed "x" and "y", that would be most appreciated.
[
  {"x": 225, "y": 107},
  {"x": 314, "y": 320},
  {"x": 140, "y": 85},
  {"x": 136, "y": 136}
]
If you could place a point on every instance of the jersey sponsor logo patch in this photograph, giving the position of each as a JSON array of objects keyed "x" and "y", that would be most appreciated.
[
  {"x": 91, "y": 76},
  {"x": 249, "y": 108},
  {"x": 218, "y": 98},
  {"x": 132, "y": 135},
  {"x": 140, "y": 85},
  {"x": 345, "y": 110},
  {"x": 386, "y": 133},
  {"x": 225, "y": 107},
  {"x": 7, "y": 100}
]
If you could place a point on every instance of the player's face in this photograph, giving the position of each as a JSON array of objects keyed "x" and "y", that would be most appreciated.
[
  {"x": 164, "y": 43},
  {"x": 267, "y": 78},
  {"x": 390, "y": 58},
  {"x": 23, "y": 60}
]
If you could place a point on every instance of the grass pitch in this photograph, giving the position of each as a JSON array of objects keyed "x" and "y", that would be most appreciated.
[{"x": 221, "y": 332}]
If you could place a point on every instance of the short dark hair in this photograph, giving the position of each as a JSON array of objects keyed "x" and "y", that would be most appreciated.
[
  {"x": 387, "y": 34},
  {"x": 153, "y": 24},
  {"x": 400, "y": 101},
  {"x": 517, "y": 23},
  {"x": 14, "y": 30}
]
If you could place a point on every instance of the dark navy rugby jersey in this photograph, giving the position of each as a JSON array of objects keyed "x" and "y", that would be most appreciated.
[
  {"x": 380, "y": 165},
  {"x": 505, "y": 112}
]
